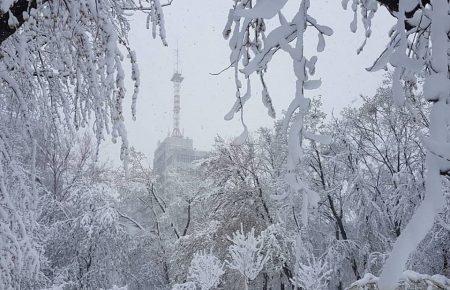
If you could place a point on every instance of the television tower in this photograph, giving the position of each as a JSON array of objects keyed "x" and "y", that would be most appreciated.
[{"x": 176, "y": 79}]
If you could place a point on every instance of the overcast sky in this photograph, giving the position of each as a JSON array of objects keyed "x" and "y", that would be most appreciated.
[{"x": 196, "y": 25}]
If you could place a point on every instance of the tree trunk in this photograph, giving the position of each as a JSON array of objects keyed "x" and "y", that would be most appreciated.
[{"x": 266, "y": 281}]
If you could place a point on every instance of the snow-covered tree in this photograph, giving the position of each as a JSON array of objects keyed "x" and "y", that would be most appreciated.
[
  {"x": 88, "y": 239},
  {"x": 250, "y": 44},
  {"x": 419, "y": 41},
  {"x": 436, "y": 90},
  {"x": 311, "y": 273},
  {"x": 20, "y": 251},
  {"x": 62, "y": 59},
  {"x": 369, "y": 203},
  {"x": 185, "y": 286},
  {"x": 246, "y": 254},
  {"x": 60, "y": 70},
  {"x": 205, "y": 270}
]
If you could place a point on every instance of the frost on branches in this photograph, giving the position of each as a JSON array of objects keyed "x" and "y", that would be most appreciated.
[
  {"x": 246, "y": 252},
  {"x": 60, "y": 70},
  {"x": 419, "y": 45},
  {"x": 408, "y": 280},
  {"x": 64, "y": 61},
  {"x": 67, "y": 221},
  {"x": 204, "y": 272},
  {"x": 250, "y": 45},
  {"x": 310, "y": 272}
]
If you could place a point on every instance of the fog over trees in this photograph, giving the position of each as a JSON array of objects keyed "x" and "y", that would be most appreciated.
[{"x": 352, "y": 200}]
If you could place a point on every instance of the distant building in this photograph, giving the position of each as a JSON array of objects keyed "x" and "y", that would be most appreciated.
[{"x": 175, "y": 152}]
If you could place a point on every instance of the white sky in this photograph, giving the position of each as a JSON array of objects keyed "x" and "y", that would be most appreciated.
[{"x": 196, "y": 25}]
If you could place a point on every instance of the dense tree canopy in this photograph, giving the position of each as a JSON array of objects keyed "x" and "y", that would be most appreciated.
[{"x": 348, "y": 201}]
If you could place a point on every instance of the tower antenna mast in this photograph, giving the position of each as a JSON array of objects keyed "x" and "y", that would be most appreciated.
[
  {"x": 177, "y": 78},
  {"x": 178, "y": 60}
]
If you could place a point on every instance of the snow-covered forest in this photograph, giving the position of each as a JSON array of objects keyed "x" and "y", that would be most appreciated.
[{"x": 358, "y": 199}]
